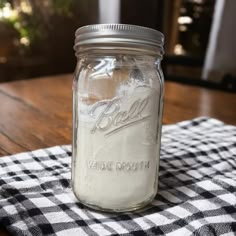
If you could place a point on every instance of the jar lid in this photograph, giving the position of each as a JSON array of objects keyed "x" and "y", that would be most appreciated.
[{"x": 118, "y": 34}]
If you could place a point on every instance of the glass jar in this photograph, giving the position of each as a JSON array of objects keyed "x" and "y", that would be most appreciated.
[{"x": 117, "y": 115}]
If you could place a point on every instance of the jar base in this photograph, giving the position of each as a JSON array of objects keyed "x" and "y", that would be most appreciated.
[{"x": 139, "y": 207}]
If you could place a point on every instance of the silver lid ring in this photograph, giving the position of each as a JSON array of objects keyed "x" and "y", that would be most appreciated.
[{"x": 118, "y": 34}]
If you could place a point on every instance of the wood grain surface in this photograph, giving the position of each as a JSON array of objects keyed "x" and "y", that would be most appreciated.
[{"x": 37, "y": 113}]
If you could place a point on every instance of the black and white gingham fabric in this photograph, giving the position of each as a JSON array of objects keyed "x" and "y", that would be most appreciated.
[{"x": 197, "y": 189}]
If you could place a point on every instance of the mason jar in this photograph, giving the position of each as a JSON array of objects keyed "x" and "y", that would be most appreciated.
[{"x": 117, "y": 116}]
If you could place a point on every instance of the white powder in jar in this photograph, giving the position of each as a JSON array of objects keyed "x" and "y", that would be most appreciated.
[{"x": 117, "y": 158}]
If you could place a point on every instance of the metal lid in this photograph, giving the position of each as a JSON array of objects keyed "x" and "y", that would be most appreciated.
[{"x": 118, "y": 34}]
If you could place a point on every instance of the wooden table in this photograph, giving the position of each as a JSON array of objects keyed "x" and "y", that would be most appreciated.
[{"x": 37, "y": 113}]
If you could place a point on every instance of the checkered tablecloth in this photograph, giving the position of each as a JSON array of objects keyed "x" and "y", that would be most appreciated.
[{"x": 197, "y": 189}]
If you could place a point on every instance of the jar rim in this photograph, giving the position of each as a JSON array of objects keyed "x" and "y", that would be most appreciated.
[{"x": 118, "y": 34}]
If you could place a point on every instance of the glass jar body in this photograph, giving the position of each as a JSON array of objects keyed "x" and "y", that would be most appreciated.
[{"x": 117, "y": 115}]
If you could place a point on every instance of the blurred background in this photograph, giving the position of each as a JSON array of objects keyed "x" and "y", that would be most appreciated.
[{"x": 36, "y": 36}]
